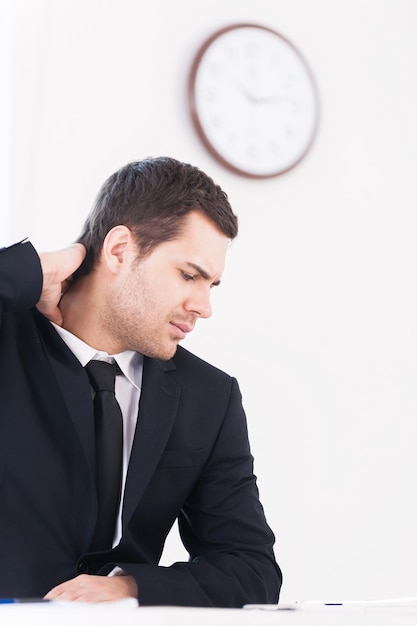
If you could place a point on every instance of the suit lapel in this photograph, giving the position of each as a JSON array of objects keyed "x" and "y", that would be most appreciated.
[
  {"x": 157, "y": 410},
  {"x": 73, "y": 383}
]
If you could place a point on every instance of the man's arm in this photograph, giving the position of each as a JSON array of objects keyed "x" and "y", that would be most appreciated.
[
  {"x": 27, "y": 278},
  {"x": 20, "y": 277},
  {"x": 223, "y": 528}
]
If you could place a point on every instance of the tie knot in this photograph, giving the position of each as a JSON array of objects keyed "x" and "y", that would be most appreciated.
[{"x": 102, "y": 375}]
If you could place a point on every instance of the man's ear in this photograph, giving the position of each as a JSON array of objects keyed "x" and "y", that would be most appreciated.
[{"x": 117, "y": 247}]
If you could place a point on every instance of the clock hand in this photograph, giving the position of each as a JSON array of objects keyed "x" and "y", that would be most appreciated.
[
  {"x": 266, "y": 99},
  {"x": 249, "y": 95},
  {"x": 243, "y": 90}
]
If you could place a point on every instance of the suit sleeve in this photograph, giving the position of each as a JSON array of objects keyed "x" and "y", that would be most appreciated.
[
  {"x": 224, "y": 529},
  {"x": 20, "y": 277}
]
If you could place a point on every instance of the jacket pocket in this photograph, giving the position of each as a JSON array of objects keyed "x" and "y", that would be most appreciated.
[{"x": 180, "y": 458}]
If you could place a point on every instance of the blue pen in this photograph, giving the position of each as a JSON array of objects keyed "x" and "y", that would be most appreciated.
[{"x": 20, "y": 600}]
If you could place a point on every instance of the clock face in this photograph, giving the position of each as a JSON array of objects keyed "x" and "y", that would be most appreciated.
[{"x": 253, "y": 100}]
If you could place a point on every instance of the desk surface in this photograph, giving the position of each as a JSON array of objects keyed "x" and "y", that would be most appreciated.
[{"x": 68, "y": 614}]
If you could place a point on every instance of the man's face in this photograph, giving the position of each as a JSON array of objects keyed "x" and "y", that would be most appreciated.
[{"x": 157, "y": 300}]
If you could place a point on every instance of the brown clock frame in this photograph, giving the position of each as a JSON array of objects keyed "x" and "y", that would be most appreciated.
[{"x": 195, "y": 115}]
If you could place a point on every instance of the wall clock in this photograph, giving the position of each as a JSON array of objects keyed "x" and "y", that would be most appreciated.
[{"x": 253, "y": 100}]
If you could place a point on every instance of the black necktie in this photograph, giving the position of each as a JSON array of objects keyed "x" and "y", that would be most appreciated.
[{"x": 109, "y": 450}]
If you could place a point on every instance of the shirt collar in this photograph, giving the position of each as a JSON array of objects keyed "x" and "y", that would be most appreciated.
[{"x": 129, "y": 361}]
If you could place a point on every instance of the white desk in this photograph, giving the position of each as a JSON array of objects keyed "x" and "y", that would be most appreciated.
[{"x": 74, "y": 614}]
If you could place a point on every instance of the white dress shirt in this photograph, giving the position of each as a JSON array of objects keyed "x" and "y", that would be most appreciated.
[{"x": 127, "y": 391}]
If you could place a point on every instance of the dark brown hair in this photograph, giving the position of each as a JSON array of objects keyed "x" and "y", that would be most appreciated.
[{"x": 152, "y": 197}]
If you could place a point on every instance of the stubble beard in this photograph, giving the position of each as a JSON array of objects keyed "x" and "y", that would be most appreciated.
[{"x": 135, "y": 331}]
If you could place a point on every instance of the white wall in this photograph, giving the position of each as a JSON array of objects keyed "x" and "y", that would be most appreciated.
[
  {"x": 317, "y": 316},
  {"x": 5, "y": 113}
]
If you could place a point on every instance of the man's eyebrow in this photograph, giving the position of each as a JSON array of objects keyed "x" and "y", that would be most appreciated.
[{"x": 202, "y": 272}]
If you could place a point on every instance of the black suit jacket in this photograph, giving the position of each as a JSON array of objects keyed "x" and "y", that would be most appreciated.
[{"x": 190, "y": 461}]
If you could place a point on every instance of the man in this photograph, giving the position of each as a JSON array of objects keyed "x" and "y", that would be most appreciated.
[{"x": 154, "y": 246}]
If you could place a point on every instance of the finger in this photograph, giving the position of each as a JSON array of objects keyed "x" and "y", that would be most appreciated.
[
  {"x": 60, "y": 265},
  {"x": 54, "y": 315},
  {"x": 55, "y": 592},
  {"x": 73, "y": 256}
]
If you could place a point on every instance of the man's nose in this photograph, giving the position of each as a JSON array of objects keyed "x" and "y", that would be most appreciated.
[{"x": 200, "y": 304}]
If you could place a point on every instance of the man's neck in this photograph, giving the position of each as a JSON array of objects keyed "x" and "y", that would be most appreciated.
[{"x": 80, "y": 307}]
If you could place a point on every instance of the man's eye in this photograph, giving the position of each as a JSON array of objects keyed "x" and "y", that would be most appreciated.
[{"x": 187, "y": 276}]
